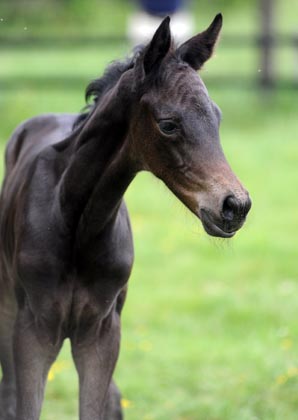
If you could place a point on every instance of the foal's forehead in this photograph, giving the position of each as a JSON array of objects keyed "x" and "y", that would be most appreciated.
[{"x": 184, "y": 86}]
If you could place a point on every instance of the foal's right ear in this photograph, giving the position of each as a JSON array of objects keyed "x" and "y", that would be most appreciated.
[{"x": 158, "y": 47}]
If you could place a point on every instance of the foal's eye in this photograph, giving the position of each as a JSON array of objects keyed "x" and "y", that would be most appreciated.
[{"x": 168, "y": 126}]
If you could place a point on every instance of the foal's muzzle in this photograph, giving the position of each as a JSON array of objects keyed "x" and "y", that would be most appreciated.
[{"x": 230, "y": 219}]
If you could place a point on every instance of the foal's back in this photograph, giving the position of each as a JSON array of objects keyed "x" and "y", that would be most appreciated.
[{"x": 32, "y": 136}]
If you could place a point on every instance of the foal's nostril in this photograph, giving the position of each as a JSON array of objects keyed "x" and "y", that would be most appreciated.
[
  {"x": 234, "y": 209},
  {"x": 230, "y": 208}
]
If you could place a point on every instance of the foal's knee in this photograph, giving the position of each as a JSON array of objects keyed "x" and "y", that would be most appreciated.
[
  {"x": 45, "y": 319},
  {"x": 92, "y": 327}
]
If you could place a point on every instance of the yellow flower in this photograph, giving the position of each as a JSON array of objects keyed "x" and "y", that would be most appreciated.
[
  {"x": 126, "y": 403},
  {"x": 281, "y": 379},
  {"x": 292, "y": 371},
  {"x": 57, "y": 367},
  {"x": 51, "y": 375},
  {"x": 286, "y": 344}
]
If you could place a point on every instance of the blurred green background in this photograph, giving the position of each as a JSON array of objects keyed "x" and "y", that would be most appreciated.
[{"x": 210, "y": 327}]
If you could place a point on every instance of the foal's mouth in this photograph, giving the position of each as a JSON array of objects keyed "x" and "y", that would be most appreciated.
[{"x": 215, "y": 227}]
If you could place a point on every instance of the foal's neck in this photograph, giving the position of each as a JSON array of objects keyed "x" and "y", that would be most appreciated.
[{"x": 100, "y": 169}]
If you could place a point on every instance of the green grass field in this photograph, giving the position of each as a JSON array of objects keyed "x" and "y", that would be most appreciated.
[{"x": 210, "y": 326}]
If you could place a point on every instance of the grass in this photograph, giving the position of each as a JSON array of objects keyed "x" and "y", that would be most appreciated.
[{"x": 210, "y": 327}]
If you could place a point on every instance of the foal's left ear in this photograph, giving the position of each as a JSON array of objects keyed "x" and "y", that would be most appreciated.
[
  {"x": 158, "y": 47},
  {"x": 199, "y": 49}
]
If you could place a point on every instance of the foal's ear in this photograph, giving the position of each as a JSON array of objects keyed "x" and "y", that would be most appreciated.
[
  {"x": 158, "y": 47},
  {"x": 199, "y": 49}
]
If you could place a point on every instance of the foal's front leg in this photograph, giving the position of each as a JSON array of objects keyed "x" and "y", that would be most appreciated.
[
  {"x": 35, "y": 349},
  {"x": 95, "y": 356}
]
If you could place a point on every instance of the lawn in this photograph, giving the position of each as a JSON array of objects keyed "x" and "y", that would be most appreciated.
[{"x": 210, "y": 326}]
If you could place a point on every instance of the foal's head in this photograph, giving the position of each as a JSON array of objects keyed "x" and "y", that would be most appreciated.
[{"x": 175, "y": 130}]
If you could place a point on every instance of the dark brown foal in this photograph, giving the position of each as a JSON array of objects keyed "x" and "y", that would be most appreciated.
[{"x": 66, "y": 243}]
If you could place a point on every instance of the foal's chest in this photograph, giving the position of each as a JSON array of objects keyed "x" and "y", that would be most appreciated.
[{"x": 109, "y": 255}]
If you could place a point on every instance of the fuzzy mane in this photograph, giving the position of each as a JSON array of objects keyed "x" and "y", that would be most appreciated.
[{"x": 98, "y": 87}]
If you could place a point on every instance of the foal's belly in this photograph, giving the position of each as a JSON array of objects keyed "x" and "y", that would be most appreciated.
[{"x": 76, "y": 304}]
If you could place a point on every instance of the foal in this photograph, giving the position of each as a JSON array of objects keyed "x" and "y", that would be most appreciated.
[{"x": 66, "y": 243}]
